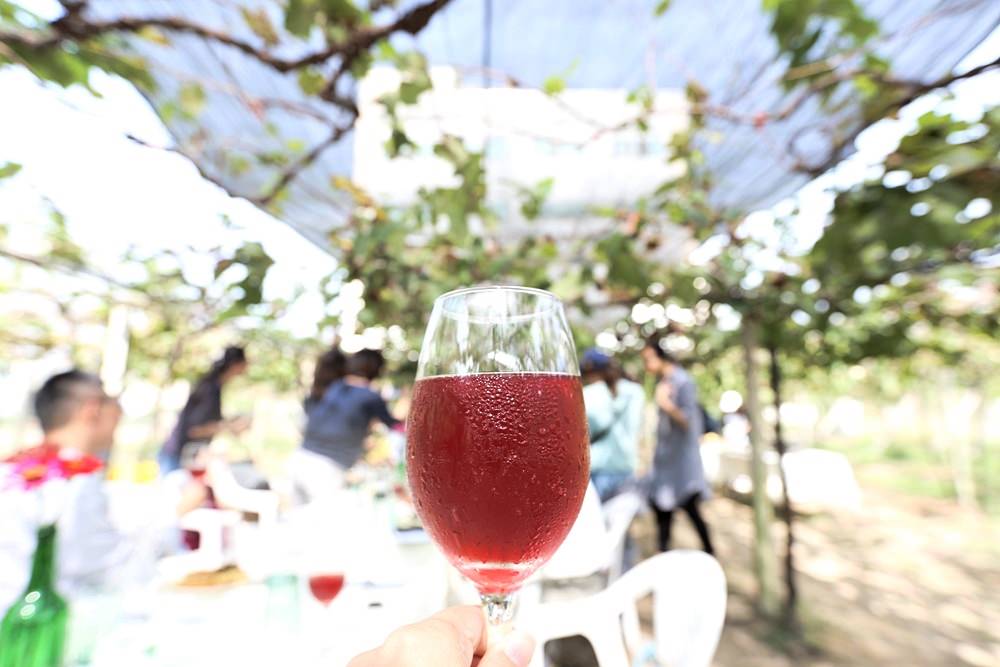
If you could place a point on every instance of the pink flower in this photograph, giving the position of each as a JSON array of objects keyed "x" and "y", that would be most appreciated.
[{"x": 33, "y": 467}]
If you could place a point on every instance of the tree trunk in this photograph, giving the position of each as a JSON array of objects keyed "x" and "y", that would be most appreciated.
[
  {"x": 791, "y": 590},
  {"x": 763, "y": 549},
  {"x": 981, "y": 448}
]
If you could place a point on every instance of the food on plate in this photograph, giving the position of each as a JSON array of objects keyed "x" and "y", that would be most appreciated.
[{"x": 230, "y": 575}]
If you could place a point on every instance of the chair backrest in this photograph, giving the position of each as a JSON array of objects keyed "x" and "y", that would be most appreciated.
[
  {"x": 618, "y": 515},
  {"x": 584, "y": 550},
  {"x": 689, "y": 588},
  {"x": 229, "y": 493},
  {"x": 689, "y": 608},
  {"x": 597, "y": 539}
]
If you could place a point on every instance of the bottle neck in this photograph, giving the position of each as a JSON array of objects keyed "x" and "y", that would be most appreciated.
[{"x": 43, "y": 565}]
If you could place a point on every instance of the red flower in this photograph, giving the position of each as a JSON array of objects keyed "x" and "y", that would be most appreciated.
[
  {"x": 43, "y": 452},
  {"x": 83, "y": 465},
  {"x": 30, "y": 468}
]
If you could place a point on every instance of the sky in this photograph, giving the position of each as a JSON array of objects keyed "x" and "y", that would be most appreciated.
[
  {"x": 115, "y": 193},
  {"x": 74, "y": 151}
]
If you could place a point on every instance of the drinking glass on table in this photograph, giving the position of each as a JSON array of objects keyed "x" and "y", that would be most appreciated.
[
  {"x": 326, "y": 586},
  {"x": 325, "y": 579},
  {"x": 497, "y": 451}
]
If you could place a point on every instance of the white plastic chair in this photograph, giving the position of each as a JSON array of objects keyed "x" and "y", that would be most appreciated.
[
  {"x": 618, "y": 515},
  {"x": 585, "y": 550},
  {"x": 229, "y": 494},
  {"x": 211, "y": 525},
  {"x": 596, "y": 543},
  {"x": 689, "y": 590}
]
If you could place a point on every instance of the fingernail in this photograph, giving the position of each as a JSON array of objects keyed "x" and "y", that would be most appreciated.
[{"x": 519, "y": 647}]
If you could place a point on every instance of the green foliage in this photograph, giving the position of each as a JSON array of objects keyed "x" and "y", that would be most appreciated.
[
  {"x": 905, "y": 245},
  {"x": 553, "y": 85},
  {"x": 533, "y": 198},
  {"x": 8, "y": 169},
  {"x": 556, "y": 83},
  {"x": 255, "y": 263},
  {"x": 812, "y": 30},
  {"x": 57, "y": 66},
  {"x": 311, "y": 80},
  {"x": 67, "y": 64},
  {"x": 414, "y": 77},
  {"x": 300, "y": 15},
  {"x": 331, "y": 16},
  {"x": 176, "y": 325},
  {"x": 885, "y": 268},
  {"x": 62, "y": 248},
  {"x": 260, "y": 23},
  {"x": 625, "y": 268},
  {"x": 191, "y": 100},
  {"x": 915, "y": 242}
]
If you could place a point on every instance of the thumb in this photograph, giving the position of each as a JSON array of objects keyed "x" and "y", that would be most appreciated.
[{"x": 513, "y": 650}]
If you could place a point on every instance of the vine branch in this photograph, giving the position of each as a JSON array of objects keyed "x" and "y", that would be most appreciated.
[{"x": 73, "y": 26}]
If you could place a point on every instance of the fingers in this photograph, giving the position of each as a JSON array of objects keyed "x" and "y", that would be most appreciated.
[
  {"x": 470, "y": 624},
  {"x": 514, "y": 650},
  {"x": 450, "y": 638}
]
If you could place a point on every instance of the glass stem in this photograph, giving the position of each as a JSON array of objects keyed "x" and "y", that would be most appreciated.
[{"x": 499, "y": 607}]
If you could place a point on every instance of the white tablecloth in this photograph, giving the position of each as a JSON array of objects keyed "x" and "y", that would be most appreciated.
[{"x": 392, "y": 579}]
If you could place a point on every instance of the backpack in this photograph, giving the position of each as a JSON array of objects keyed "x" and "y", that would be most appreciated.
[{"x": 709, "y": 423}]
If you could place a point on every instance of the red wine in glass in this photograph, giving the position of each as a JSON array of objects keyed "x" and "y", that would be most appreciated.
[
  {"x": 326, "y": 587},
  {"x": 499, "y": 466},
  {"x": 497, "y": 449}
]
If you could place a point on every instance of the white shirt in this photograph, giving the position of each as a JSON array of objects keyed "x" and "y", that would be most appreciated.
[{"x": 92, "y": 551}]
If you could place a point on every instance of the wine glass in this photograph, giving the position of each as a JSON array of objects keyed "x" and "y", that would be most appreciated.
[
  {"x": 497, "y": 452},
  {"x": 326, "y": 586},
  {"x": 326, "y": 582},
  {"x": 324, "y": 567}
]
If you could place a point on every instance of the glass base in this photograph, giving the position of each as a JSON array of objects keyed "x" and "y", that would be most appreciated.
[{"x": 499, "y": 607}]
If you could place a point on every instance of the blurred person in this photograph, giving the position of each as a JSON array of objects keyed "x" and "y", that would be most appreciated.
[
  {"x": 77, "y": 415},
  {"x": 614, "y": 417},
  {"x": 338, "y": 420},
  {"x": 736, "y": 429},
  {"x": 314, "y": 475},
  {"x": 330, "y": 368},
  {"x": 630, "y": 402},
  {"x": 709, "y": 422},
  {"x": 455, "y": 637},
  {"x": 677, "y": 480},
  {"x": 201, "y": 418}
]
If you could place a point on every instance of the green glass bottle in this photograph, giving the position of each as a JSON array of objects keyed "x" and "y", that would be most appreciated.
[{"x": 34, "y": 628}]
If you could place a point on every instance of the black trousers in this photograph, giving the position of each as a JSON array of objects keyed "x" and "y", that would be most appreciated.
[{"x": 665, "y": 519}]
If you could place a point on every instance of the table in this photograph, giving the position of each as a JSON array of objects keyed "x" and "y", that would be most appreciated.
[{"x": 392, "y": 579}]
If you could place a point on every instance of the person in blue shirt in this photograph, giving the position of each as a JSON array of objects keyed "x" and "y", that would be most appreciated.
[
  {"x": 614, "y": 407},
  {"x": 338, "y": 419}
]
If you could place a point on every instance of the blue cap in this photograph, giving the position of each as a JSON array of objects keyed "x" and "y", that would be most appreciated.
[{"x": 594, "y": 360}]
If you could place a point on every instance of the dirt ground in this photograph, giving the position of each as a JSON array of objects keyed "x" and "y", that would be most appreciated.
[{"x": 905, "y": 581}]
